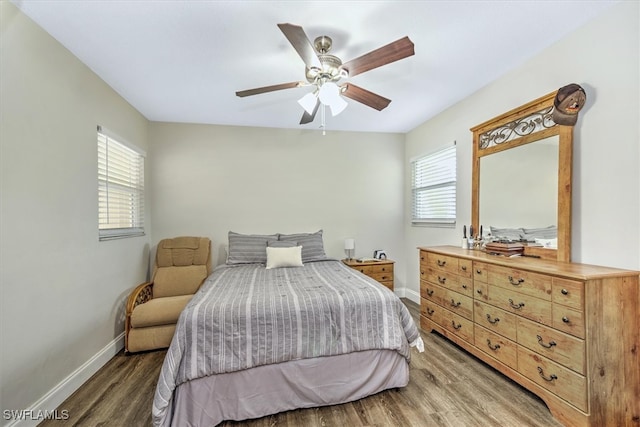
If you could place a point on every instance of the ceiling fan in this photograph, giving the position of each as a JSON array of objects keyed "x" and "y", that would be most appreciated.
[{"x": 324, "y": 71}]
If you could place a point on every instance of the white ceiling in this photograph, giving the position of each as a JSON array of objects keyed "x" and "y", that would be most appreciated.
[{"x": 183, "y": 61}]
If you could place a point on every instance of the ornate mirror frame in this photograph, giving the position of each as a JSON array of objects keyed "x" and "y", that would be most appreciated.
[{"x": 523, "y": 125}]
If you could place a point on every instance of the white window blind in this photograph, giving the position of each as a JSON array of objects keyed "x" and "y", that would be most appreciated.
[
  {"x": 434, "y": 188},
  {"x": 120, "y": 189}
]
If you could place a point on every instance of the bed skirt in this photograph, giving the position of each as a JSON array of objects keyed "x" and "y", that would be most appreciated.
[{"x": 269, "y": 389}]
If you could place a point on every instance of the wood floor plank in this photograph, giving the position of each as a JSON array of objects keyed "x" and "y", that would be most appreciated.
[{"x": 448, "y": 388}]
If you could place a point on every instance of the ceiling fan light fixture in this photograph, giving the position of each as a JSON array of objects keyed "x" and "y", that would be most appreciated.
[
  {"x": 308, "y": 102},
  {"x": 337, "y": 106},
  {"x": 329, "y": 94}
]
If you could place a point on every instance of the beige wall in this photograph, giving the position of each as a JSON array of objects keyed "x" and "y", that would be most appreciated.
[
  {"x": 208, "y": 180},
  {"x": 62, "y": 291},
  {"x": 603, "y": 57}
]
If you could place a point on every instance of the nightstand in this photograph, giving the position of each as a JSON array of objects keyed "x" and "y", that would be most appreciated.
[{"x": 382, "y": 270}]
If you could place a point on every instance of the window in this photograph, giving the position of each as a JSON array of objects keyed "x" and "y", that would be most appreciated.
[
  {"x": 433, "y": 181},
  {"x": 120, "y": 188}
]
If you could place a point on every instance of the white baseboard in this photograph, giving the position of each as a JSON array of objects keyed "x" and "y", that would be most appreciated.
[
  {"x": 408, "y": 293},
  {"x": 48, "y": 403}
]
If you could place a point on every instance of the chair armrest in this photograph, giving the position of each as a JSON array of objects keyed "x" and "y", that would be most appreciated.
[{"x": 141, "y": 294}]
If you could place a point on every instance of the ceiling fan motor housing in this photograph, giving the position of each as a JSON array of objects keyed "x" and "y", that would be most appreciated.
[{"x": 331, "y": 64}]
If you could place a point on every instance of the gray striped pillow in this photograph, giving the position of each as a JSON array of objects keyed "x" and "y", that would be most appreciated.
[
  {"x": 248, "y": 248},
  {"x": 312, "y": 245}
]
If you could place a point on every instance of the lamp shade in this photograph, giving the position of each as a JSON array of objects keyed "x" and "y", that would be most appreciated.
[
  {"x": 349, "y": 244},
  {"x": 337, "y": 106},
  {"x": 329, "y": 94},
  {"x": 308, "y": 102}
]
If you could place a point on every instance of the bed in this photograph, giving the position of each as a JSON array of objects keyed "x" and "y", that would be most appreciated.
[{"x": 280, "y": 333}]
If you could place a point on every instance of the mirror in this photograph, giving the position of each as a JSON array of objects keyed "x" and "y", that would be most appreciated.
[
  {"x": 519, "y": 186},
  {"x": 522, "y": 174}
]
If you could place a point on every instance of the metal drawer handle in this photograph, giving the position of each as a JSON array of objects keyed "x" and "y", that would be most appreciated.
[
  {"x": 551, "y": 343},
  {"x": 442, "y": 279},
  {"x": 514, "y": 305},
  {"x": 478, "y": 271},
  {"x": 430, "y": 311},
  {"x": 464, "y": 286},
  {"x": 550, "y": 378},
  {"x": 464, "y": 268},
  {"x": 565, "y": 319},
  {"x": 454, "y": 325},
  {"x": 455, "y": 304},
  {"x": 479, "y": 291},
  {"x": 492, "y": 321},
  {"x": 441, "y": 263},
  {"x": 515, "y": 282},
  {"x": 492, "y": 347},
  {"x": 430, "y": 292},
  {"x": 564, "y": 292}
]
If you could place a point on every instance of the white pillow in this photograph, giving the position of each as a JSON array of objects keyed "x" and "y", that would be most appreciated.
[{"x": 284, "y": 257}]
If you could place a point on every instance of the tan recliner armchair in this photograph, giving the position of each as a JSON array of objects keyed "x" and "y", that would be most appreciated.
[{"x": 181, "y": 266}]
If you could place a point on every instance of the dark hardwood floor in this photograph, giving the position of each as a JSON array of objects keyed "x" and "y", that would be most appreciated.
[{"x": 448, "y": 387}]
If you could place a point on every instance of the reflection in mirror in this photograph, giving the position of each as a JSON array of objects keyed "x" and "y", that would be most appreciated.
[
  {"x": 511, "y": 189},
  {"x": 519, "y": 186}
]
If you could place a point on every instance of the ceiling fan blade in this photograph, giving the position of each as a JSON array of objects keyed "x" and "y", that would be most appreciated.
[
  {"x": 366, "y": 97},
  {"x": 392, "y": 52},
  {"x": 300, "y": 42},
  {"x": 272, "y": 88},
  {"x": 308, "y": 118}
]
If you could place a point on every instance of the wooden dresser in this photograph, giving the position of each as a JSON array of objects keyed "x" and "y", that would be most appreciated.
[
  {"x": 382, "y": 270},
  {"x": 570, "y": 333}
]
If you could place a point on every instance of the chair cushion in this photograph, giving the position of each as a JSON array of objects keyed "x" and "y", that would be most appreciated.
[
  {"x": 142, "y": 339},
  {"x": 174, "y": 281},
  {"x": 159, "y": 311},
  {"x": 183, "y": 251}
]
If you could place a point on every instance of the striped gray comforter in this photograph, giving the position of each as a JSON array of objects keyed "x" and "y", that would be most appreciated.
[{"x": 247, "y": 316}]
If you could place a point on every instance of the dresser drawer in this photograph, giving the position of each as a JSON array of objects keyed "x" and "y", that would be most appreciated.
[
  {"x": 559, "y": 380},
  {"x": 568, "y": 320},
  {"x": 382, "y": 277},
  {"x": 495, "y": 319},
  {"x": 451, "y": 281},
  {"x": 364, "y": 269},
  {"x": 465, "y": 268},
  {"x": 480, "y": 291},
  {"x": 442, "y": 263},
  {"x": 568, "y": 292},
  {"x": 565, "y": 349},
  {"x": 458, "y": 303},
  {"x": 432, "y": 292},
  {"x": 458, "y": 325},
  {"x": 382, "y": 268},
  {"x": 533, "y": 284},
  {"x": 497, "y": 346},
  {"x": 430, "y": 310},
  {"x": 520, "y": 304},
  {"x": 387, "y": 284},
  {"x": 480, "y": 272},
  {"x": 448, "y": 299}
]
